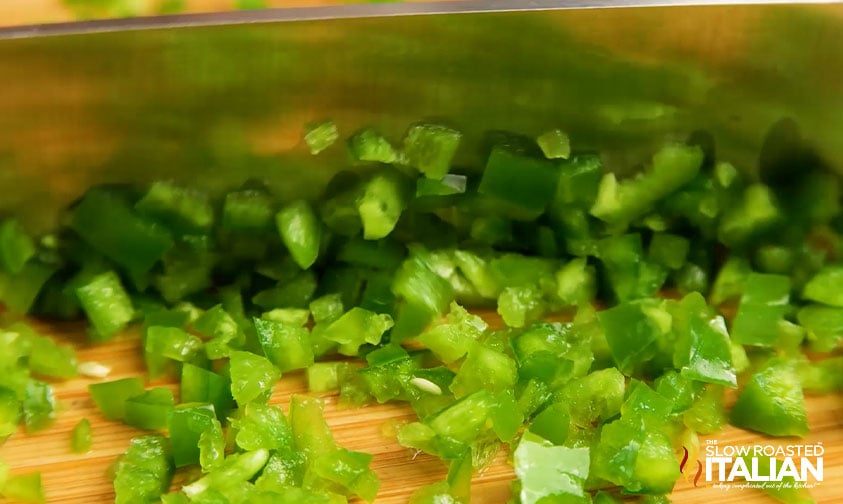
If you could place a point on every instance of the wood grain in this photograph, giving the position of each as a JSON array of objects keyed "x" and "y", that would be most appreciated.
[{"x": 82, "y": 479}]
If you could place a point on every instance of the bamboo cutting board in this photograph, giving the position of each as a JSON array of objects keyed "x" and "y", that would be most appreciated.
[{"x": 82, "y": 479}]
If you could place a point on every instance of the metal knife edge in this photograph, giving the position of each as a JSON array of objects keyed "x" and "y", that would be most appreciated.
[{"x": 375, "y": 10}]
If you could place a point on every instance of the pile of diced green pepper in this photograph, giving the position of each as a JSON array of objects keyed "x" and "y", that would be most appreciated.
[{"x": 368, "y": 291}]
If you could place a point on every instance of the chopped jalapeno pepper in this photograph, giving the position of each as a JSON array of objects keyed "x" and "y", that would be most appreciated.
[
  {"x": 110, "y": 397},
  {"x": 81, "y": 439},
  {"x": 371, "y": 270}
]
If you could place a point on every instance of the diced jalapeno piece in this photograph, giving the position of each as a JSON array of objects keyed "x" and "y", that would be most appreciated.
[
  {"x": 106, "y": 304},
  {"x": 430, "y": 148},
  {"x": 321, "y": 135}
]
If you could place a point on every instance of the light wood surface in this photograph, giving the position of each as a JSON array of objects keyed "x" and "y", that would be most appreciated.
[{"x": 81, "y": 479}]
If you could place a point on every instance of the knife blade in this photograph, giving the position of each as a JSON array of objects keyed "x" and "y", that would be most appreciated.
[{"x": 211, "y": 100}]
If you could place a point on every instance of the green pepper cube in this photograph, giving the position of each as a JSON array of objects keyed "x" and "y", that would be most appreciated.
[
  {"x": 321, "y": 135},
  {"x": 324, "y": 376},
  {"x": 174, "y": 497},
  {"x": 234, "y": 472},
  {"x": 311, "y": 434},
  {"x": 262, "y": 426},
  {"x": 50, "y": 359},
  {"x": 252, "y": 377},
  {"x": 150, "y": 410},
  {"x": 369, "y": 145},
  {"x": 294, "y": 293},
  {"x": 110, "y": 397},
  {"x": 599, "y": 395},
  {"x": 552, "y": 423},
  {"x": 223, "y": 330},
  {"x": 632, "y": 333},
  {"x": 621, "y": 202},
  {"x": 459, "y": 476},
  {"x": 430, "y": 148},
  {"x": 578, "y": 229},
  {"x": 465, "y": 419},
  {"x": 519, "y": 305},
  {"x": 284, "y": 473},
  {"x": 420, "y": 436},
  {"x": 107, "y": 223},
  {"x": 555, "y": 144},
  {"x": 16, "y": 246},
  {"x": 24, "y": 488},
  {"x": 182, "y": 210},
  {"x": 357, "y": 327},
  {"x": 549, "y": 473},
  {"x": 514, "y": 270},
  {"x": 81, "y": 438},
  {"x": 296, "y": 317},
  {"x": 772, "y": 402},
  {"x": 19, "y": 292},
  {"x": 707, "y": 413},
  {"x": 823, "y": 377},
  {"x": 10, "y": 416},
  {"x": 187, "y": 423},
  {"x": 375, "y": 254},
  {"x": 285, "y": 345},
  {"x": 477, "y": 270},
  {"x": 107, "y": 305},
  {"x": 380, "y": 205},
  {"x": 248, "y": 210},
  {"x": 579, "y": 180},
  {"x": 764, "y": 303},
  {"x": 326, "y": 308},
  {"x": 387, "y": 354},
  {"x": 484, "y": 368},
  {"x": 199, "y": 385},
  {"x": 339, "y": 211},
  {"x": 754, "y": 213},
  {"x": 491, "y": 230},
  {"x": 576, "y": 282},
  {"x": 448, "y": 185},
  {"x": 300, "y": 231},
  {"x": 703, "y": 348},
  {"x": 824, "y": 325},
  {"x": 211, "y": 447},
  {"x": 731, "y": 280},
  {"x": 653, "y": 408},
  {"x": 776, "y": 259},
  {"x": 602, "y": 497},
  {"x": 824, "y": 287},
  {"x": 186, "y": 272},
  {"x": 669, "y": 250},
  {"x": 630, "y": 275},
  {"x": 640, "y": 460},
  {"x": 350, "y": 470},
  {"x": 552, "y": 353},
  {"x": 173, "y": 343},
  {"x": 432, "y": 494},
  {"x": 38, "y": 405},
  {"x": 451, "y": 340},
  {"x": 521, "y": 181},
  {"x": 144, "y": 471},
  {"x": 416, "y": 282},
  {"x": 388, "y": 375},
  {"x": 505, "y": 416}
]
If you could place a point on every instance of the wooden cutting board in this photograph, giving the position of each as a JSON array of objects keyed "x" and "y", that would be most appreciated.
[{"x": 82, "y": 479}]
